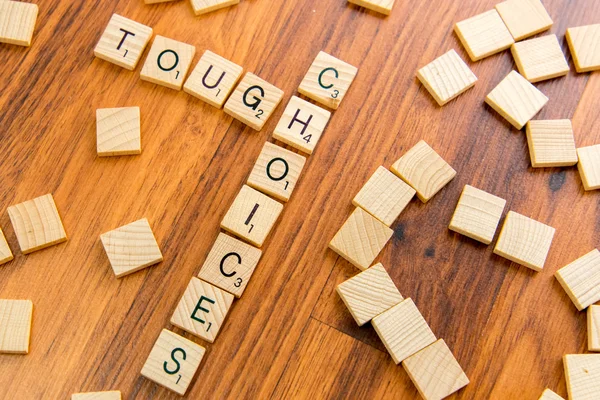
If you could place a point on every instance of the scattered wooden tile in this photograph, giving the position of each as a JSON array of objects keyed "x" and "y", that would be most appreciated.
[
  {"x": 581, "y": 279},
  {"x": 589, "y": 166},
  {"x": 301, "y": 125},
  {"x": 551, "y": 143},
  {"x": 6, "y": 254},
  {"x": 583, "y": 42},
  {"x": 118, "y": 131},
  {"x": 483, "y": 35},
  {"x": 516, "y": 99},
  {"x": 593, "y": 323},
  {"x": 524, "y": 18},
  {"x": 230, "y": 264},
  {"x": 37, "y": 224},
  {"x": 17, "y": 22},
  {"x": 15, "y": 326},
  {"x": 131, "y": 248},
  {"x": 168, "y": 62},
  {"x": 435, "y": 372},
  {"x": 381, "y": 6},
  {"x": 583, "y": 376},
  {"x": 327, "y": 80},
  {"x": 173, "y": 362},
  {"x": 202, "y": 309},
  {"x": 540, "y": 58},
  {"x": 252, "y": 216},
  {"x": 423, "y": 169},
  {"x": 111, "y": 395},
  {"x": 123, "y": 42},
  {"x": 524, "y": 241},
  {"x": 205, "y": 6},
  {"x": 360, "y": 239},
  {"x": 550, "y": 395}
]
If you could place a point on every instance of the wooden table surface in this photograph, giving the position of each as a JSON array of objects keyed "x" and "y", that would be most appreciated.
[{"x": 289, "y": 336}]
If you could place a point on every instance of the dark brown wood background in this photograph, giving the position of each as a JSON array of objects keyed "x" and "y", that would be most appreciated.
[{"x": 289, "y": 335}]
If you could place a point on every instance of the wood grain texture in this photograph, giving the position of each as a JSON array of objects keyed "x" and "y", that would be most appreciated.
[
  {"x": 540, "y": 58},
  {"x": 593, "y": 326},
  {"x": 589, "y": 166},
  {"x": 15, "y": 326},
  {"x": 17, "y": 22},
  {"x": 6, "y": 254},
  {"x": 583, "y": 42},
  {"x": 524, "y": 18},
  {"x": 581, "y": 279},
  {"x": 483, "y": 35},
  {"x": 583, "y": 375},
  {"x": 110, "y": 395},
  {"x": 551, "y": 143},
  {"x": 118, "y": 131},
  {"x": 548, "y": 394}
]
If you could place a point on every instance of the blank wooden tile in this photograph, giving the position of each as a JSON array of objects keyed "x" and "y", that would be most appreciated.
[
  {"x": 123, "y": 42},
  {"x": 327, "y": 80},
  {"x": 202, "y": 309},
  {"x": 17, "y": 22},
  {"x": 15, "y": 326},
  {"x": 37, "y": 224},
  {"x": 589, "y": 166},
  {"x": 301, "y": 125},
  {"x": 581, "y": 279},
  {"x": 483, "y": 35},
  {"x": 583, "y": 376},
  {"x": 369, "y": 293},
  {"x": 524, "y": 18},
  {"x": 423, "y": 169},
  {"x": 6, "y": 254},
  {"x": 253, "y": 101},
  {"x": 252, "y": 216},
  {"x": 477, "y": 214},
  {"x": 516, "y": 99},
  {"x": 551, "y": 143},
  {"x": 435, "y": 372},
  {"x": 550, "y": 395},
  {"x": 381, "y": 6},
  {"x": 173, "y": 362},
  {"x": 524, "y": 241},
  {"x": 118, "y": 131},
  {"x": 360, "y": 239},
  {"x": 168, "y": 62},
  {"x": 593, "y": 326},
  {"x": 205, "y": 6},
  {"x": 403, "y": 330},
  {"x": 584, "y": 42},
  {"x": 131, "y": 247},
  {"x": 213, "y": 79},
  {"x": 540, "y": 58},
  {"x": 111, "y": 395},
  {"x": 230, "y": 264}
]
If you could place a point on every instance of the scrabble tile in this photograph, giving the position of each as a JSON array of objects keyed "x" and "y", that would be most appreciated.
[
  {"x": 173, "y": 362},
  {"x": 6, "y": 254},
  {"x": 168, "y": 62},
  {"x": 327, "y": 80},
  {"x": 524, "y": 18},
  {"x": 583, "y": 376},
  {"x": 118, "y": 131},
  {"x": 483, "y": 35},
  {"x": 111, "y": 395},
  {"x": 276, "y": 171},
  {"x": 253, "y": 101},
  {"x": 131, "y": 247},
  {"x": 15, "y": 326},
  {"x": 301, "y": 125},
  {"x": 581, "y": 279},
  {"x": 37, "y": 224},
  {"x": 540, "y": 58},
  {"x": 551, "y": 143},
  {"x": 17, "y": 22},
  {"x": 550, "y": 395},
  {"x": 123, "y": 42},
  {"x": 403, "y": 330},
  {"x": 589, "y": 166},
  {"x": 213, "y": 79},
  {"x": 583, "y": 42},
  {"x": 205, "y": 6},
  {"x": 369, "y": 293},
  {"x": 202, "y": 309},
  {"x": 360, "y": 239},
  {"x": 593, "y": 326},
  {"x": 477, "y": 214},
  {"x": 230, "y": 264},
  {"x": 381, "y": 6},
  {"x": 435, "y": 372},
  {"x": 252, "y": 216},
  {"x": 524, "y": 241},
  {"x": 423, "y": 169},
  {"x": 446, "y": 77},
  {"x": 384, "y": 196},
  {"x": 516, "y": 99}
]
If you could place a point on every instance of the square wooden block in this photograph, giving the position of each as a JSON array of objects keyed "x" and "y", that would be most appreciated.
[
  {"x": 118, "y": 131},
  {"x": 524, "y": 18},
  {"x": 213, "y": 79},
  {"x": 516, "y": 99},
  {"x": 435, "y": 372},
  {"x": 230, "y": 264},
  {"x": 589, "y": 166},
  {"x": 483, "y": 35},
  {"x": 205, "y": 6},
  {"x": 173, "y": 362},
  {"x": 403, "y": 330},
  {"x": 131, "y": 248},
  {"x": 550, "y": 395},
  {"x": 252, "y": 216},
  {"x": 369, "y": 293},
  {"x": 524, "y": 241},
  {"x": 15, "y": 326},
  {"x": 477, "y": 214},
  {"x": 446, "y": 77},
  {"x": 327, "y": 80},
  {"x": 202, "y": 309},
  {"x": 17, "y": 22},
  {"x": 360, "y": 239},
  {"x": 584, "y": 42},
  {"x": 583, "y": 376},
  {"x": 6, "y": 254},
  {"x": 381, "y": 6},
  {"x": 168, "y": 62},
  {"x": 253, "y": 101},
  {"x": 581, "y": 279},
  {"x": 37, "y": 224},
  {"x": 551, "y": 143},
  {"x": 593, "y": 325},
  {"x": 123, "y": 42},
  {"x": 111, "y": 395},
  {"x": 540, "y": 58},
  {"x": 423, "y": 169},
  {"x": 301, "y": 125}
]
